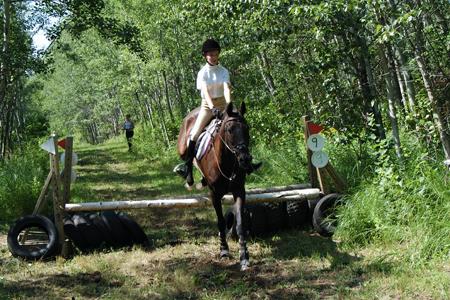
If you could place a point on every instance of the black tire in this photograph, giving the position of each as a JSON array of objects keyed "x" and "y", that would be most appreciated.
[
  {"x": 298, "y": 213},
  {"x": 88, "y": 232},
  {"x": 276, "y": 216},
  {"x": 138, "y": 236},
  {"x": 323, "y": 220},
  {"x": 258, "y": 220},
  {"x": 71, "y": 231},
  {"x": 37, "y": 221},
  {"x": 104, "y": 236},
  {"x": 118, "y": 232}
]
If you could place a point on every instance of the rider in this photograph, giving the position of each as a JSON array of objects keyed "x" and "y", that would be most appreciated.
[{"x": 213, "y": 81}]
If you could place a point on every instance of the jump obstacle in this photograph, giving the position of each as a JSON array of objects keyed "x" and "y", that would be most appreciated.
[{"x": 60, "y": 183}]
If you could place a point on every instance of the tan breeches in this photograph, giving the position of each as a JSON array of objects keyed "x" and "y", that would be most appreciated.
[{"x": 205, "y": 115}]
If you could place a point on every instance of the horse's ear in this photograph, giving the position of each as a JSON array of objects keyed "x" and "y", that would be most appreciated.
[
  {"x": 243, "y": 108},
  {"x": 229, "y": 108}
]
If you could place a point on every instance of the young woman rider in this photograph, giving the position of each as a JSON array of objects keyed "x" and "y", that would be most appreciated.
[{"x": 213, "y": 81}]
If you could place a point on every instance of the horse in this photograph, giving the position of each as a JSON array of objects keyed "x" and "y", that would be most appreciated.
[{"x": 224, "y": 168}]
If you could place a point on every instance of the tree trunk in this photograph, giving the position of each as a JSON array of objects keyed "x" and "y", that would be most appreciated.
[
  {"x": 436, "y": 103},
  {"x": 401, "y": 85},
  {"x": 4, "y": 80},
  {"x": 367, "y": 86},
  {"x": 438, "y": 117},
  {"x": 149, "y": 109},
  {"x": 166, "y": 93},
  {"x": 162, "y": 120},
  {"x": 141, "y": 108},
  {"x": 264, "y": 67},
  {"x": 4, "y": 67},
  {"x": 177, "y": 86},
  {"x": 392, "y": 97},
  {"x": 160, "y": 112},
  {"x": 407, "y": 78}
]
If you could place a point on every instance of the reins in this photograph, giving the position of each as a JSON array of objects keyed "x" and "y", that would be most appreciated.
[{"x": 233, "y": 174}]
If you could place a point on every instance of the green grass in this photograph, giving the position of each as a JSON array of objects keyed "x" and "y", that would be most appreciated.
[{"x": 184, "y": 263}]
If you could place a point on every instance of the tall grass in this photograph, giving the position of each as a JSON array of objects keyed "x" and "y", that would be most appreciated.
[
  {"x": 404, "y": 203},
  {"x": 21, "y": 179}
]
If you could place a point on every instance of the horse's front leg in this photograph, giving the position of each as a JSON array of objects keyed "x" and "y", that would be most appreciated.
[
  {"x": 216, "y": 200},
  {"x": 239, "y": 198}
]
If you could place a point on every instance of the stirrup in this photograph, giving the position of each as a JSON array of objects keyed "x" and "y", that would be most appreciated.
[
  {"x": 255, "y": 167},
  {"x": 181, "y": 169}
]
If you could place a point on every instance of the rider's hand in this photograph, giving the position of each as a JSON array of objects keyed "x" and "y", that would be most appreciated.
[{"x": 216, "y": 113}]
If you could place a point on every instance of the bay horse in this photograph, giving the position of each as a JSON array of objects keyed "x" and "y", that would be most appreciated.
[{"x": 224, "y": 168}]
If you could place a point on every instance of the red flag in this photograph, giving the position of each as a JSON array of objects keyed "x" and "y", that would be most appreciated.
[
  {"x": 314, "y": 128},
  {"x": 62, "y": 143}
]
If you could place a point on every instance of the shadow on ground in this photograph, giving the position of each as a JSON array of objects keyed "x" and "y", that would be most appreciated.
[{"x": 63, "y": 286}]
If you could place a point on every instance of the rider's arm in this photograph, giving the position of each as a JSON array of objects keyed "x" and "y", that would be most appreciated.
[
  {"x": 205, "y": 93},
  {"x": 227, "y": 92}
]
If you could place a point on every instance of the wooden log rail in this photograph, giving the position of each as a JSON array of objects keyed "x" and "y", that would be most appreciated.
[{"x": 253, "y": 196}]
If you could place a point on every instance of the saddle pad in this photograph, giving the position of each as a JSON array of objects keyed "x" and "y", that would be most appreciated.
[{"x": 205, "y": 139}]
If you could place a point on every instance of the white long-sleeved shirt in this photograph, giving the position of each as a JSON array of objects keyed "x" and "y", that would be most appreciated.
[{"x": 214, "y": 77}]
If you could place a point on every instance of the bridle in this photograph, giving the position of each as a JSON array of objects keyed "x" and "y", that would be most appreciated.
[{"x": 235, "y": 150}]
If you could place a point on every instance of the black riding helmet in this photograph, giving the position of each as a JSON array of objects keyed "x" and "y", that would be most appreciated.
[{"x": 210, "y": 45}]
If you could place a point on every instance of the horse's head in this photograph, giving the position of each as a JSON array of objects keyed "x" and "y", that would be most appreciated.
[{"x": 236, "y": 135}]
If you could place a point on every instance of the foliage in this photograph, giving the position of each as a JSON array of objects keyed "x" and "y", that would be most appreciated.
[
  {"x": 404, "y": 203},
  {"x": 375, "y": 73},
  {"x": 184, "y": 262},
  {"x": 21, "y": 180}
]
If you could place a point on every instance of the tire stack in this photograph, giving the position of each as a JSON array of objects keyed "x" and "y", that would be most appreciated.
[
  {"x": 87, "y": 232},
  {"x": 92, "y": 231},
  {"x": 298, "y": 213},
  {"x": 264, "y": 218}
]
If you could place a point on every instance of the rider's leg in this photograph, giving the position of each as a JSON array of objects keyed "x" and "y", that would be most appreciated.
[{"x": 204, "y": 116}]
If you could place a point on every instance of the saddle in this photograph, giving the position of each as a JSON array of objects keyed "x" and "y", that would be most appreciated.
[{"x": 204, "y": 142}]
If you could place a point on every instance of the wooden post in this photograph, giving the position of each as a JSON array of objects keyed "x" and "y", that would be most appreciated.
[
  {"x": 67, "y": 173},
  {"x": 40, "y": 202},
  {"x": 317, "y": 175},
  {"x": 321, "y": 179},
  {"x": 311, "y": 169},
  {"x": 340, "y": 184},
  {"x": 58, "y": 204}
]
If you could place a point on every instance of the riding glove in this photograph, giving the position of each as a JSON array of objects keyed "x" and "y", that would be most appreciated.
[{"x": 216, "y": 113}]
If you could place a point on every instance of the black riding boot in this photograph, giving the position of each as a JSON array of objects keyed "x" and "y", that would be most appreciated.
[
  {"x": 184, "y": 169},
  {"x": 254, "y": 167},
  {"x": 189, "y": 161}
]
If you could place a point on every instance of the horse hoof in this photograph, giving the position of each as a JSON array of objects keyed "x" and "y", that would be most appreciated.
[
  {"x": 224, "y": 254},
  {"x": 199, "y": 186},
  {"x": 188, "y": 187},
  {"x": 245, "y": 265}
]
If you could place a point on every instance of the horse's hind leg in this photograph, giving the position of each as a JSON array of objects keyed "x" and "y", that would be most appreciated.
[
  {"x": 239, "y": 198},
  {"x": 216, "y": 200}
]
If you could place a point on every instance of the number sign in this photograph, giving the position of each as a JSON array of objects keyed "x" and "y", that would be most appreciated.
[
  {"x": 319, "y": 159},
  {"x": 315, "y": 142}
]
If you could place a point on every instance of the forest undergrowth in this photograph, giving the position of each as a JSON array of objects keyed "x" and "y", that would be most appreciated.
[{"x": 393, "y": 227}]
